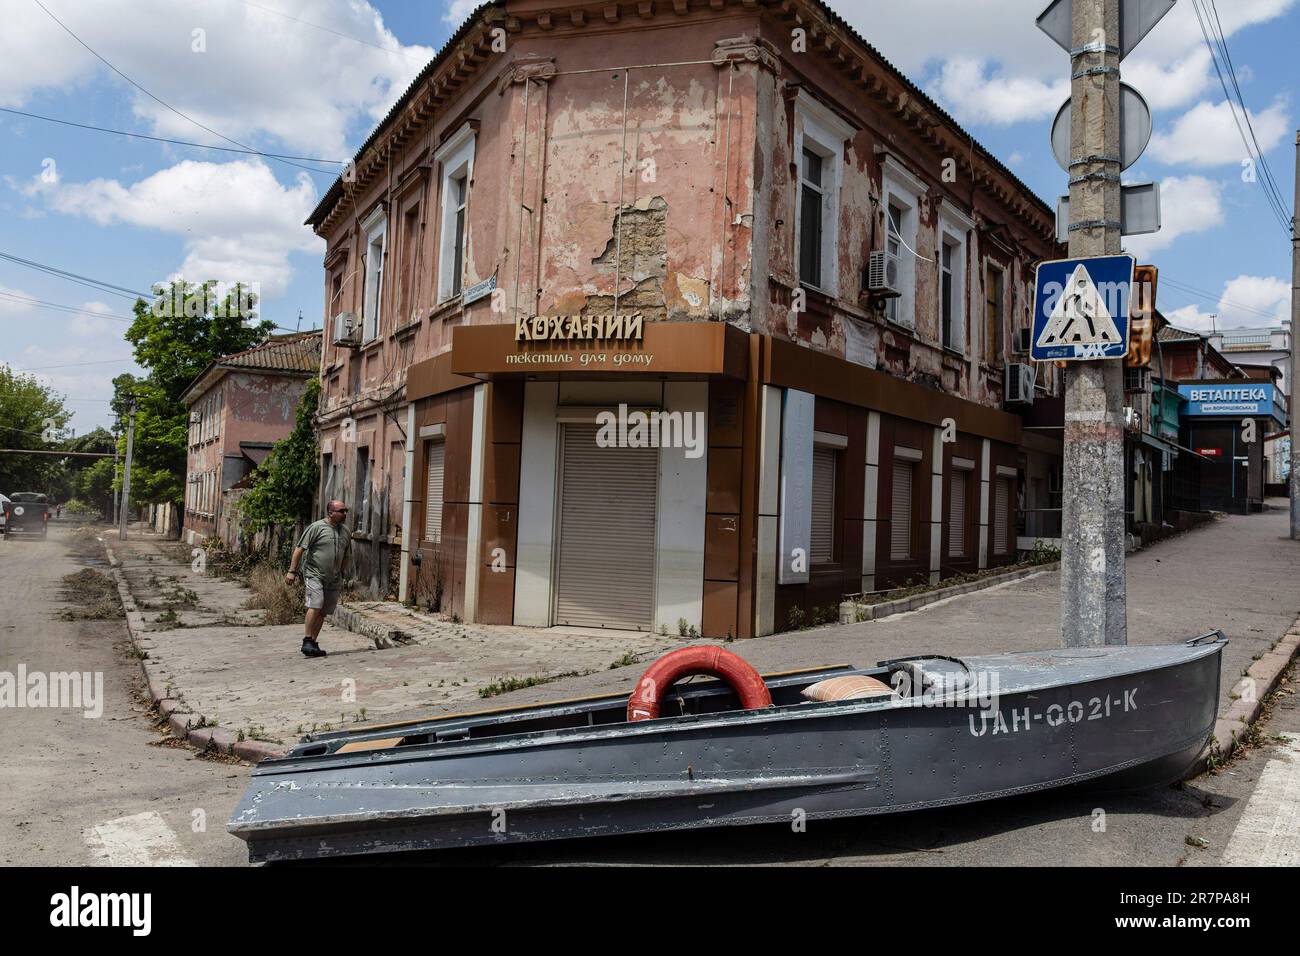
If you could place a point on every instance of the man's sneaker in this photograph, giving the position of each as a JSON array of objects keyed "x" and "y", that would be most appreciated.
[{"x": 311, "y": 649}]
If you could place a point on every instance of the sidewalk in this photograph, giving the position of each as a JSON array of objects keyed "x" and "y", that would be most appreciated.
[
  {"x": 1240, "y": 574},
  {"x": 214, "y": 664}
]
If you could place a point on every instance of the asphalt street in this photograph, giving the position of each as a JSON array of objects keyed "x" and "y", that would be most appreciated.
[{"x": 101, "y": 789}]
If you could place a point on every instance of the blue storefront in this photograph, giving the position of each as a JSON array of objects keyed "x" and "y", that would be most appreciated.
[{"x": 1224, "y": 425}]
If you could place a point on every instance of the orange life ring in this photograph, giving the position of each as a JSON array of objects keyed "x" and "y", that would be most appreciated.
[{"x": 701, "y": 659}]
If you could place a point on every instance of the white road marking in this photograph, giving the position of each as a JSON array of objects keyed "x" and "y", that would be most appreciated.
[
  {"x": 1268, "y": 833},
  {"x": 144, "y": 839}
]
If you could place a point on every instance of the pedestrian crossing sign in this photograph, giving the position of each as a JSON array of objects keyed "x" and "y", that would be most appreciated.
[{"x": 1082, "y": 309}]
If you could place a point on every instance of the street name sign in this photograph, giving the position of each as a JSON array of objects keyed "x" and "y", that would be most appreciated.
[
  {"x": 1081, "y": 309},
  {"x": 1136, "y": 20}
]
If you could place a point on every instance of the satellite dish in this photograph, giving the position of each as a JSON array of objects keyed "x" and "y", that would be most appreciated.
[{"x": 1134, "y": 129}]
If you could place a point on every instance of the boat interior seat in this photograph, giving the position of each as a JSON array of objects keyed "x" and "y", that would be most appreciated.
[{"x": 848, "y": 687}]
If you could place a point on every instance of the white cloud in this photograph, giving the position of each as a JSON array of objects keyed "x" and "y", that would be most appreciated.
[
  {"x": 1171, "y": 67},
  {"x": 1188, "y": 205},
  {"x": 97, "y": 320},
  {"x": 1207, "y": 135},
  {"x": 1190, "y": 318},
  {"x": 237, "y": 221},
  {"x": 1255, "y": 301},
  {"x": 299, "y": 78},
  {"x": 10, "y": 306},
  {"x": 1246, "y": 302},
  {"x": 977, "y": 94},
  {"x": 458, "y": 10}
]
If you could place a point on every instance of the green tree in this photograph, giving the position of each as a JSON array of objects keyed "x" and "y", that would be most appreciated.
[
  {"x": 174, "y": 346},
  {"x": 285, "y": 482},
  {"x": 31, "y": 417}
]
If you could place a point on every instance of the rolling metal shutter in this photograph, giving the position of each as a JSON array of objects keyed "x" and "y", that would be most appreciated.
[
  {"x": 821, "y": 548},
  {"x": 1001, "y": 514},
  {"x": 605, "y": 558},
  {"x": 435, "y": 455},
  {"x": 900, "y": 544},
  {"x": 957, "y": 515}
]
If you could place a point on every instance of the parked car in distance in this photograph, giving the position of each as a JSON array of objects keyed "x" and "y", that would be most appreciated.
[
  {"x": 27, "y": 512},
  {"x": 4, "y": 513}
]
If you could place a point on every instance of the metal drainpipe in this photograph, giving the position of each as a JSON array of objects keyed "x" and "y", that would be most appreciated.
[{"x": 407, "y": 499}]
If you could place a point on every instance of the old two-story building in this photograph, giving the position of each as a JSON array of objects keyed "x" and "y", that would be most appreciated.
[
  {"x": 675, "y": 314},
  {"x": 240, "y": 406}
]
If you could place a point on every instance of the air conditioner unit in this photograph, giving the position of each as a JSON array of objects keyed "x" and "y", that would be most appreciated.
[
  {"x": 1018, "y": 384},
  {"x": 884, "y": 275},
  {"x": 1024, "y": 340},
  {"x": 1137, "y": 379},
  {"x": 347, "y": 332}
]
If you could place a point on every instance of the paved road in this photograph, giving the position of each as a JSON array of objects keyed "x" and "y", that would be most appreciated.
[{"x": 82, "y": 790}]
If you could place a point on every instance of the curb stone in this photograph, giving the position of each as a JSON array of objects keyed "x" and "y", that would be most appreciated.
[
  {"x": 179, "y": 718},
  {"x": 849, "y": 610},
  {"x": 1260, "y": 680}
]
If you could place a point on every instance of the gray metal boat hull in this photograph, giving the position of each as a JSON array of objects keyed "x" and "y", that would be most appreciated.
[{"x": 1059, "y": 718}]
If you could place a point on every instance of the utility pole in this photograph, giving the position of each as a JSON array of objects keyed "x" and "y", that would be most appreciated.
[
  {"x": 1295, "y": 352},
  {"x": 117, "y": 492},
  {"x": 1093, "y": 589},
  {"x": 124, "y": 511}
]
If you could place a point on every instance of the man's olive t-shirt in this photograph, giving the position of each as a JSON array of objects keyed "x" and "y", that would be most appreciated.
[{"x": 327, "y": 549}]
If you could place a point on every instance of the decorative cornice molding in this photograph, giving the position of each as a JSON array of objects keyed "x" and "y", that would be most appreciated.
[
  {"x": 746, "y": 49},
  {"x": 530, "y": 67}
]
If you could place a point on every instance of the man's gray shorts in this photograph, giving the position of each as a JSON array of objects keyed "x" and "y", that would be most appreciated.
[{"x": 321, "y": 598}]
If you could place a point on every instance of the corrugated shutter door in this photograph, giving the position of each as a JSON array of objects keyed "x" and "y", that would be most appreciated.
[
  {"x": 435, "y": 455},
  {"x": 900, "y": 548},
  {"x": 822, "y": 544},
  {"x": 605, "y": 562},
  {"x": 957, "y": 515},
  {"x": 1001, "y": 516}
]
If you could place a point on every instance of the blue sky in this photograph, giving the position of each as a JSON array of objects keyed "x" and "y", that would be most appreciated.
[{"x": 309, "y": 78}]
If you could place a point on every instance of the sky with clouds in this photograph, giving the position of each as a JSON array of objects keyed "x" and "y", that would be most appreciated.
[{"x": 308, "y": 79}]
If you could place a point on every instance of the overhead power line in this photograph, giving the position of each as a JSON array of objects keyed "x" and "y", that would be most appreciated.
[
  {"x": 174, "y": 142},
  {"x": 1279, "y": 198},
  {"x": 75, "y": 277},
  {"x": 345, "y": 36},
  {"x": 56, "y": 307},
  {"x": 1218, "y": 50},
  {"x": 161, "y": 102}
]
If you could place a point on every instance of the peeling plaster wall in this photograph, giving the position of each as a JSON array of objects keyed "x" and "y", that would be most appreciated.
[
  {"x": 676, "y": 179},
  {"x": 831, "y": 324}
]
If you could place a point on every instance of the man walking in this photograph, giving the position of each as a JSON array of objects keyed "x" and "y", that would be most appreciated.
[{"x": 322, "y": 552}]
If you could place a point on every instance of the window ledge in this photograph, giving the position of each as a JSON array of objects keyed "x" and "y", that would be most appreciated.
[
  {"x": 403, "y": 330},
  {"x": 373, "y": 344},
  {"x": 908, "y": 330},
  {"x": 446, "y": 308}
]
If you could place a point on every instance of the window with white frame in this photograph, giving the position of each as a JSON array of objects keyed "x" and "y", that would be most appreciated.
[
  {"x": 375, "y": 229},
  {"x": 820, "y": 136},
  {"x": 456, "y": 160},
  {"x": 951, "y": 255},
  {"x": 902, "y": 192},
  {"x": 948, "y": 306}
]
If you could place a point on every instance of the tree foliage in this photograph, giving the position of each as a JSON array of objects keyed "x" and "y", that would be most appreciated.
[
  {"x": 174, "y": 346},
  {"x": 285, "y": 483},
  {"x": 31, "y": 415}
]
